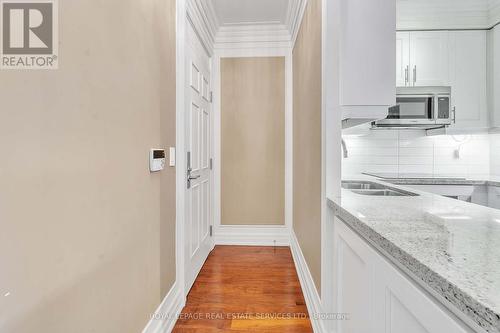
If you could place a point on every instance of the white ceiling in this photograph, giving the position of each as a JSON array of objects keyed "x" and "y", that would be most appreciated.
[{"x": 250, "y": 12}]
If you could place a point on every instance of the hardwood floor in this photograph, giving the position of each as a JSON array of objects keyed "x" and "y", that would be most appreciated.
[{"x": 246, "y": 289}]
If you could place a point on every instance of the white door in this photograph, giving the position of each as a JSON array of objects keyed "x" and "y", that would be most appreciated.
[
  {"x": 429, "y": 58},
  {"x": 198, "y": 240},
  {"x": 402, "y": 59}
]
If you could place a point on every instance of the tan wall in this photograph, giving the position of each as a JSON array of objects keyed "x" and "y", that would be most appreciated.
[
  {"x": 253, "y": 140},
  {"x": 81, "y": 217},
  {"x": 307, "y": 138}
]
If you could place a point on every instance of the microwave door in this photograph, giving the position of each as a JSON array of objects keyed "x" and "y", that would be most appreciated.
[{"x": 412, "y": 110}]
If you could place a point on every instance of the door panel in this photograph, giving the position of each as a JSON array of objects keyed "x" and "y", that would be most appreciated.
[
  {"x": 468, "y": 78},
  {"x": 377, "y": 297},
  {"x": 353, "y": 276},
  {"x": 400, "y": 319},
  {"x": 198, "y": 138},
  {"x": 402, "y": 59},
  {"x": 428, "y": 58}
]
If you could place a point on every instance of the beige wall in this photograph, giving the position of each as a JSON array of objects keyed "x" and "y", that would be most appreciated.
[
  {"x": 307, "y": 138},
  {"x": 86, "y": 232},
  {"x": 253, "y": 140}
]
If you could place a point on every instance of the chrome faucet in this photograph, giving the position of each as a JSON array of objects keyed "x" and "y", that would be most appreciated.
[{"x": 344, "y": 149}]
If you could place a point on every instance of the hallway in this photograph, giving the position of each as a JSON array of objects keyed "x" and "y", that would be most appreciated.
[{"x": 246, "y": 289}]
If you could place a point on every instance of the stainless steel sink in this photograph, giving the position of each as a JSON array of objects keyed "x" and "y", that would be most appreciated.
[
  {"x": 362, "y": 185},
  {"x": 374, "y": 189}
]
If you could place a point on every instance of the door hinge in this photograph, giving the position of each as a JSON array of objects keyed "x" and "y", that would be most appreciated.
[
  {"x": 211, "y": 231},
  {"x": 211, "y": 163}
]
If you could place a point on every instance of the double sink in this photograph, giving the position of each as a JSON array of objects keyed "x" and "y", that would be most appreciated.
[{"x": 374, "y": 189}]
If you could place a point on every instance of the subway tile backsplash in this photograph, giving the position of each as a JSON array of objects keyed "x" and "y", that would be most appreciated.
[
  {"x": 495, "y": 155},
  {"x": 403, "y": 151}
]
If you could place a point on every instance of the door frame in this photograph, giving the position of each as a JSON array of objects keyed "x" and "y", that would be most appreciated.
[
  {"x": 180, "y": 102},
  {"x": 265, "y": 235}
]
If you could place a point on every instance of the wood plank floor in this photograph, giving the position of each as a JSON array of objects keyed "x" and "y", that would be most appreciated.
[{"x": 246, "y": 289}]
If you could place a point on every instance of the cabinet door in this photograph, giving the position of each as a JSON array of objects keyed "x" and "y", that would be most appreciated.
[
  {"x": 494, "y": 71},
  {"x": 467, "y": 60},
  {"x": 402, "y": 59},
  {"x": 407, "y": 308},
  {"x": 353, "y": 281},
  {"x": 428, "y": 58},
  {"x": 377, "y": 297}
]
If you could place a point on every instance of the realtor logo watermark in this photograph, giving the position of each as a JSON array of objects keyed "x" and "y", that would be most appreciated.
[{"x": 29, "y": 36}]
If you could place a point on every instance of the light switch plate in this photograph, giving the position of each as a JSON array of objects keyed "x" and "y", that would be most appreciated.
[{"x": 172, "y": 156}]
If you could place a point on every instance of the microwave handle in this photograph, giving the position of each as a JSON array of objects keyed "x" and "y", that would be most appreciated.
[{"x": 453, "y": 109}]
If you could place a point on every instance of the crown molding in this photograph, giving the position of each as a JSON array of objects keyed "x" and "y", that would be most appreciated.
[
  {"x": 203, "y": 24},
  {"x": 212, "y": 17},
  {"x": 295, "y": 15},
  {"x": 215, "y": 35},
  {"x": 494, "y": 12}
]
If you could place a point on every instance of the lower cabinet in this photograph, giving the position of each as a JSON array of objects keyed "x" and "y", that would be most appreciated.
[{"x": 376, "y": 297}]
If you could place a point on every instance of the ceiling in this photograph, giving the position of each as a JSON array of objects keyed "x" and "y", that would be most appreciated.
[{"x": 250, "y": 12}]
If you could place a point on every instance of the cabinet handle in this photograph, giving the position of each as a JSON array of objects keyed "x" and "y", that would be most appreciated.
[
  {"x": 407, "y": 70},
  {"x": 414, "y": 74},
  {"x": 454, "y": 114}
]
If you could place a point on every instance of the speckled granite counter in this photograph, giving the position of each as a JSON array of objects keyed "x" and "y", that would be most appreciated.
[
  {"x": 453, "y": 247},
  {"x": 437, "y": 181},
  {"x": 429, "y": 180}
]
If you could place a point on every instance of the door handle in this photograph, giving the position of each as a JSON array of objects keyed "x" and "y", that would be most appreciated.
[{"x": 190, "y": 178}]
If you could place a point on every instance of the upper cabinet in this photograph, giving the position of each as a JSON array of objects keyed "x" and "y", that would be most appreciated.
[
  {"x": 402, "y": 59},
  {"x": 421, "y": 58},
  {"x": 467, "y": 66},
  {"x": 359, "y": 63},
  {"x": 494, "y": 75},
  {"x": 457, "y": 59}
]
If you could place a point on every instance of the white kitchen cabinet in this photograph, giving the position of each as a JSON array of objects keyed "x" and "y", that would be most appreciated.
[
  {"x": 377, "y": 297},
  {"x": 402, "y": 59},
  {"x": 494, "y": 78},
  {"x": 429, "y": 58},
  {"x": 421, "y": 58},
  {"x": 467, "y": 65},
  {"x": 354, "y": 281},
  {"x": 359, "y": 63}
]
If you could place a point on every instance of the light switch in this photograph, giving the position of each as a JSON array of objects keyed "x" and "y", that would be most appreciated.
[{"x": 172, "y": 156}]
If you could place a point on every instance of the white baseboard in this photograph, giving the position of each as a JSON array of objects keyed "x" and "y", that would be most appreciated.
[
  {"x": 311, "y": 296},
  {"x": 252, "y": 235},
  {"x": 164, "y": 318}
]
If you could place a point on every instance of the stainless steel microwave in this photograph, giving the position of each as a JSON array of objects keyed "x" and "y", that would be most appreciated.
[{"x": 420, "y": 107}]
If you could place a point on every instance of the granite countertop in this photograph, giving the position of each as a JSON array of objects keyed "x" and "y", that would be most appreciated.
[
  {"x": 423, "y": 179},
  {"x": 451, "y": 246}
]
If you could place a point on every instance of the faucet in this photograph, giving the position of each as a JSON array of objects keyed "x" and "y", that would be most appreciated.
[{"x": 344, "y": 149}]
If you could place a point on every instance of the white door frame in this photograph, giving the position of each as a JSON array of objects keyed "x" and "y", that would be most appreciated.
[
  {"x": 252, "y": 234},
  {"x": 180, "y": 179}
]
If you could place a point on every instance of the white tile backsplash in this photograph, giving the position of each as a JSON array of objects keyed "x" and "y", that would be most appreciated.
[
  {"x": 403, "y": 151},
  {"x": 495, "y": 155}
]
